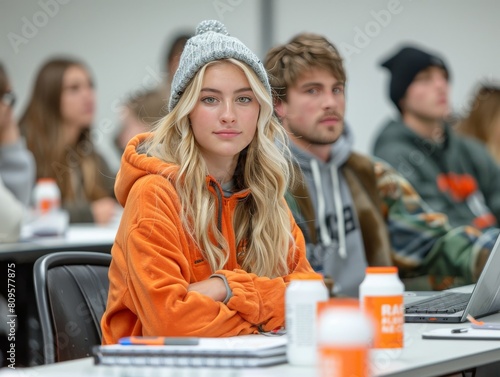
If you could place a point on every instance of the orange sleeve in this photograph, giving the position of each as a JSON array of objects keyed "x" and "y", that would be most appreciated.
[
  {"x": 159, "y": 272},
  {"x": 156, "y": 262},
  {"x": 261, "y": 300}
]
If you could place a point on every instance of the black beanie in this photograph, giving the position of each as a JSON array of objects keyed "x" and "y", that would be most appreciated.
[{"x": 404, "y": 66}]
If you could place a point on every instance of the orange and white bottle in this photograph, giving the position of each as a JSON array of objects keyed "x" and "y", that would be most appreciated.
[
  {"x": 344, "y": 337},
  {"x": 381, "y": 296},
  {"x": 46, "y": 195}
]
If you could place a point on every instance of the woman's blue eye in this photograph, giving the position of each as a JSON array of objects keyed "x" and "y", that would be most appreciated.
[
  {"x": 244, "y": 99},
  {"x": 208, "y": 99}
]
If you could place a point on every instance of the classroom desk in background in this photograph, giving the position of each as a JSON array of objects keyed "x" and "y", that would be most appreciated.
[
  {"x": 420, "y": 358},
  {"x": 86, "y": 237},
  {"x": 78, "y": 237}
]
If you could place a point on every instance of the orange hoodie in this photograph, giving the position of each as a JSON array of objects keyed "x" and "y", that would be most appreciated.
[{"x": 154, "y": 261}]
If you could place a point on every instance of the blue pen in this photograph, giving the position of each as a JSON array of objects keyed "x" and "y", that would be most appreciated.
[{"x": 158, "y": 340}]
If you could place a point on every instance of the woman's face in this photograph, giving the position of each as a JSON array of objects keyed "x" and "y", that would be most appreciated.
[
  {"x": 78, "y": 98},
  {"x": 224, "y": 120}
]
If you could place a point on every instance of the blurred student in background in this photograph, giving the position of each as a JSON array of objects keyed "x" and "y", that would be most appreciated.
[
  {"x": 137, "y": 115},
  {"x": 483, "y": 120},
  {"x": 455, "y": 175},
  {"x": 17, "y": 166},
  {"x": 172, "y": 57},
  {"x": 57, "y": 124}
]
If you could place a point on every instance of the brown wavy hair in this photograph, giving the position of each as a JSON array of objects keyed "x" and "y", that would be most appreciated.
[
  {"x": 286, "y": 63},
  {"x": 482, "y": 119}
]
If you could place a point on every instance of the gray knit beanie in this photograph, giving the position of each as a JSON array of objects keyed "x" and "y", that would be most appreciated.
[{"x": 211, "y": 42}]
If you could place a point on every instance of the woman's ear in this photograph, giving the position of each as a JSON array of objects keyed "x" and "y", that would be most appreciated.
[{"x": 280, "y": 109}]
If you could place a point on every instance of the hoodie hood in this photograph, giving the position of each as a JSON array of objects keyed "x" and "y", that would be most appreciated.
[
  {"x": 136, "y": 164},
  {"x": 337, "y": 226}
]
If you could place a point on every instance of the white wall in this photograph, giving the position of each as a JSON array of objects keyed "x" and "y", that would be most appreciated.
[{"x": 123, "y": 43}]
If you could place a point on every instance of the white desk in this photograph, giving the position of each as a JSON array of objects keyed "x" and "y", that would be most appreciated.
[
  {"x": 420, "y": 358},
  {"x": 86, "y": 237}
]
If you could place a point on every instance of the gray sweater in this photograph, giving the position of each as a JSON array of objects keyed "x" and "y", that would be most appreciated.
[{"x": 17, "y": 177}]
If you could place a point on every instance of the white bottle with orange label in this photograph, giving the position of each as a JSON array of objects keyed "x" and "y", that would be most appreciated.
[
  {"x": 46, "y": 195},
  {"x": 344, "y": 337},
  {"x": 49, "y": 218},
  {"x": 381, "y": 297}
]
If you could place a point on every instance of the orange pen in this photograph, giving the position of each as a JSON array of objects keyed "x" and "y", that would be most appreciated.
[{"x": 158, "y": 341}]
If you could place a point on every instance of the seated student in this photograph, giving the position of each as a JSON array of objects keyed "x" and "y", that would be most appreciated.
[
  {"x": 483, "y": 119},
  {"x": 17, "y": 167},
  {"x": 138, "y": 114},
  {"x": 57, "y": 124},
  {"x": 207, "y": 243},
  {"x": 455, "y": 175},
  {"x": 355, "y": 210}
]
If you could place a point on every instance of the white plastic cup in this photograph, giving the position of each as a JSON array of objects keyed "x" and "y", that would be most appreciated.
[{"x": 344, "y": 339}]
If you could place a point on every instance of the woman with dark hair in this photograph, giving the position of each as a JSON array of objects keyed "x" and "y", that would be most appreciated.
[
  {"x": 17, "y": 167},
  {"x": 57, "y": 127}
]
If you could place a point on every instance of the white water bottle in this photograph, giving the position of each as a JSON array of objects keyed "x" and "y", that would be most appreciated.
[
  {"x": 46, "y": 196},
  {"x": 301, "y": 303}
]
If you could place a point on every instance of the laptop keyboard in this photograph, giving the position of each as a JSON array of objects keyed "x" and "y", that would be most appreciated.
[{"x": 449, "y": 302}]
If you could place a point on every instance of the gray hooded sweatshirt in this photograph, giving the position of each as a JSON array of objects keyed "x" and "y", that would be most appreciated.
[{"x": 340, "y": 252}]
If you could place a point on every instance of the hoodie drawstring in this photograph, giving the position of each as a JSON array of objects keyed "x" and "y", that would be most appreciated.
[
  {"x": 323, "y": 231},
  {"x": 339, "y": 210}
]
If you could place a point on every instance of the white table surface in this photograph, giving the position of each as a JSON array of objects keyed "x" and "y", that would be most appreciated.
[{"x": 419, "y": 358}]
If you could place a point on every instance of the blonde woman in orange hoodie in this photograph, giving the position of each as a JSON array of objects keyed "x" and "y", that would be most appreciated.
[{"x": 207, "y": 244}]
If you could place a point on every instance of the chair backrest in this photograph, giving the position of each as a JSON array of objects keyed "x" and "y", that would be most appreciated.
[{"x": 71, "y": 289}]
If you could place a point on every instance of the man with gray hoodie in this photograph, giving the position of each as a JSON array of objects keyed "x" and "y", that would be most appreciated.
[
  {"x": 349, "y": 232},
  {"x": 356, "y": 211}
]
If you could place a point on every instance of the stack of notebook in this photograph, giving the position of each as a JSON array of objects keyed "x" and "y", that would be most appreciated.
[{"x": 239, "y": 351}]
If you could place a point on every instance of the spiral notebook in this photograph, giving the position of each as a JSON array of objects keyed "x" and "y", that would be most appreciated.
[{"x": 238, "y": 351}]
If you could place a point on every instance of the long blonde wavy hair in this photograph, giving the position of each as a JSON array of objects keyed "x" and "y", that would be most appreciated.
[{"x": 262, "y": 223}]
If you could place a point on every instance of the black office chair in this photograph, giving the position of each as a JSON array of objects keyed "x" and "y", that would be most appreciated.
[{"x": 71, "y": 290}]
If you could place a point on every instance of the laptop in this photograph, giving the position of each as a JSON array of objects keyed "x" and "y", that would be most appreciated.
[{"x": 453, "y": 306}]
